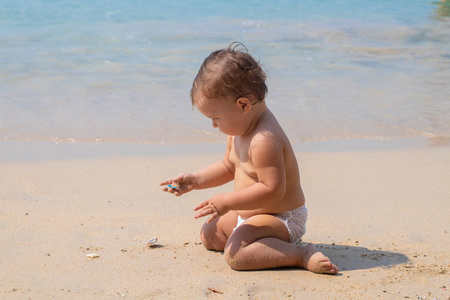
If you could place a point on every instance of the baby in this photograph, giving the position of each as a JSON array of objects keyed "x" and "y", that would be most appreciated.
[{"x": 258, "y": 224}]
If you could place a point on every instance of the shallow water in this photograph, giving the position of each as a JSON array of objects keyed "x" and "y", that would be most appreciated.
[{"x": 121, "y": 71}]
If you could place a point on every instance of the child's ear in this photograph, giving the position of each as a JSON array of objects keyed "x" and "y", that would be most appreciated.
[{"x": 244, "y": 104}]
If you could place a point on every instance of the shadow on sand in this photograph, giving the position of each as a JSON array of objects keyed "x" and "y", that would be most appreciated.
[{"x": 349, "y": 258}]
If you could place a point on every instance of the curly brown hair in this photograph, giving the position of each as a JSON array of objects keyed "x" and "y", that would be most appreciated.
[{"x": 230, "y": 73}]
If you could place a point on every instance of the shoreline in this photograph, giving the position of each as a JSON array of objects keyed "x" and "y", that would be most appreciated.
[{"x": 26, "y": 151}]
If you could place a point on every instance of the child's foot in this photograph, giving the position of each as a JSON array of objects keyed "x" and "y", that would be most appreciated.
[{"x": 316, "y": 262}]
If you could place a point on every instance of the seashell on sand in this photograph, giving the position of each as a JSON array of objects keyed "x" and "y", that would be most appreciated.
[
  {"x": 92, "y": 255},
  {"x": 151, "y": 241}
]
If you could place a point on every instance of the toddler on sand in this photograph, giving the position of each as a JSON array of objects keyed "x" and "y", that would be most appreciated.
[{"x": 257, "y": 224}]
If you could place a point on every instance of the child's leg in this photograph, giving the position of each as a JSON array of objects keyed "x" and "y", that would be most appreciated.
[
  {"x": 215, "y": 234},
  {"x": 262, "y": 242}
]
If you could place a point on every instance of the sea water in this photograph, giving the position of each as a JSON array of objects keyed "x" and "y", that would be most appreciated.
[{"x": 121, "y": 71}]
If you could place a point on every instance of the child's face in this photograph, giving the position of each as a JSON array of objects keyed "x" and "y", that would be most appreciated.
[{"x": 225, "y": 114}]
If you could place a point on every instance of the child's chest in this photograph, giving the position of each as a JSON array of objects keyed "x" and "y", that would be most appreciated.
[{"x": 240, "y": 157}]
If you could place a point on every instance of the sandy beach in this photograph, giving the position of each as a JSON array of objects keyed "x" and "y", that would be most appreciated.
[
  {"x": 382, "y": 216},
  {"x": 95, "y": 111}
]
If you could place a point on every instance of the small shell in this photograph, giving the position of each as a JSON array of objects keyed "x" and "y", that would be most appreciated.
[
  {"x": 92, "y": 255},
  {"x": 152, "y": 241}
]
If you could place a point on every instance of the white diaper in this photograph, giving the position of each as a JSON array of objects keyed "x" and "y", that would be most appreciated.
[{"x": 294, "y": 220}]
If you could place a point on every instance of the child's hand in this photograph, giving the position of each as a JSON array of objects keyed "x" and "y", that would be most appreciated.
[
  {"x": 180, "y": 184},
  {"x": 208, "y": 208}
]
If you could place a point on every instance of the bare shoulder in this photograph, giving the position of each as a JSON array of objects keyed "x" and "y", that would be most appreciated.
[
  {"x": 268, "y": 144},
  {"x": 267, "y": 138},
  {"x": 269, "y": 134}
]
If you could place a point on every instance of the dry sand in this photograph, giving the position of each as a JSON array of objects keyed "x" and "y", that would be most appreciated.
[{"x": 383, "y": 217}]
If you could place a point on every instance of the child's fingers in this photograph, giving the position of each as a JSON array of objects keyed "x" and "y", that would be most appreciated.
[
  {"x": 166, "y": 188},
  {"x": 171, "y": 186},
  {"x": 172, "y": 190},
  {"x": 166, "y": 182},
  {"x": 177, "y": 192},
  {"x": 213, "y": 216},
  {"x": 204, "y": 212},
  {"x": 201, "y": 205},
  {"x": 206, "y": 208}
]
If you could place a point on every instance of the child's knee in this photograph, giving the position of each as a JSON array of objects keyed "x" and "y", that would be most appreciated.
[
  {"x": 206, "y": 241},
  {"x": 210, "y": 239}
]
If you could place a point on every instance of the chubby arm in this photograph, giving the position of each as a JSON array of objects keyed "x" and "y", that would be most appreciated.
[
  {"x": 213, "y": 175},
  {"x": 267, "y": 156}
]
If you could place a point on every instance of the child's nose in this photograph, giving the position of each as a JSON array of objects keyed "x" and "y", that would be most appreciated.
[{"x": 214, "y": 124}]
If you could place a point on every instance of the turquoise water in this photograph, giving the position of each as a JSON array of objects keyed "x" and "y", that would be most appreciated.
[{"x": 93, "y": 71}]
